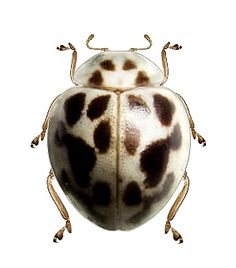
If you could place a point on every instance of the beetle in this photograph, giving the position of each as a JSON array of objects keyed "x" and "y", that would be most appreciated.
[{"x": 118, "y": 140}]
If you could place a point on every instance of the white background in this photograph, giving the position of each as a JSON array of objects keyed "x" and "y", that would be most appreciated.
[{"x": 33, "y": 72}]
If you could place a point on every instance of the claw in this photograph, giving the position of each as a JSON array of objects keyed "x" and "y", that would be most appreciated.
[
  {"x": 62, "y": 48},
  {"x": 176, "y": 47},
  {"x": 59, "y": 235},
  {"x": 177, "y": 236},
  {"x": 201, "y": 140},
  {"x": 35, "y": 142}
]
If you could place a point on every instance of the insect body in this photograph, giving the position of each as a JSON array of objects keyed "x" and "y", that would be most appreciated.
[{"x": 119, "y": 141}]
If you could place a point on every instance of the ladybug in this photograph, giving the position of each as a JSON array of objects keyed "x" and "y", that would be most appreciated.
[{"x": 118, "y": 141}]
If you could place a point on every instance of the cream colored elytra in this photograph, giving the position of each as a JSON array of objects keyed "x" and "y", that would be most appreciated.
[{"x": 119, "y": 142}]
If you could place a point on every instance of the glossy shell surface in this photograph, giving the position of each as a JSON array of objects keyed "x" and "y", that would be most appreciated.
[{"x": 119, "y": 157}]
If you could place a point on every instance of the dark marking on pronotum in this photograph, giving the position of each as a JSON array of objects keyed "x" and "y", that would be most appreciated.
[
  {"x": 132, "y": 138},
  {"x": 73, "y": 107},
  {"x": 142, "y": 79},
  {"x": 138, "y": 104},
  {"x": 154, "y": 161},
  {"x": 108, "y": 65},
  {"x": 98, "y": 106},
  {"x": 101, "y": 193},
  {"x": 148, "y": 201},
  {"x": 132, "y": 195},
  {"x": 176, "y": 138},
  {"x": 164, "y": 109},
  {"x": 96, "y": 79},
  {"x": 102, "y": 136},
  {"x": 82, "y": 157},
  {"x": 129, "y": 65}
]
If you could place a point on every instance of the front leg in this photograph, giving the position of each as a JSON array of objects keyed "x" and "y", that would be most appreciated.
[
  {"x": 41, "y": 136},
  {"x": 195, "y": 135}
]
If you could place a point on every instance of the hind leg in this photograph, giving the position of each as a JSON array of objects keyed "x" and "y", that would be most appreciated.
[
  {"x": 60, "y": 206},
  {"x": 175, "y": 207}
]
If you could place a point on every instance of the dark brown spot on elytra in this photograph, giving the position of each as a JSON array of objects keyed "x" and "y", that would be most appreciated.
[
  {"x": 98, "y": 106},
  {"x": 82, "y": 157},
  {"x": 96, "y": 79},
  {"x": 164, "y": 109},
  {"x": 142, "y": 79},
  {"x": 73, "y": 107},
  {"x": 129, "y": 65},
  {"x": 136, "y": 103},
  {"x": 64, "y": 179},
  {"x": 58, "y": 136},
  {"x": 176, "y": 138},
  {"x": 101, "y": 193},
  {"x": 108, "y": 65},
  {"x": 84, "y": 198},
  {"x": 102, "y": 136},
  {"x": 80, "y": 196},
  {"x": 148, "y": 201},
  {"x": 87, "y": 203},
  {"x": 57, "y": 139},
  {"x": 132, "y": 195},
  {"x": 165, "y": 188},
  {"x": 153, "y": 162},
  {"x": 132, "y": 138}
]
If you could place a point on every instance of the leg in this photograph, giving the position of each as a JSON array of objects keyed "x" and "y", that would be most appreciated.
[
  {"x": 164, "y": 60},
  {"x": 175, "y": 207},
  {"x": 61, "y": 208},
  {"x": 73, "y": 60},
  {"x": 41, "y": 136},
  {"x": 195, "y": 135}
]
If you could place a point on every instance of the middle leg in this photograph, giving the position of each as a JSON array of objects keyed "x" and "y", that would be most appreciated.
[{"x": 195, "y": 135}]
